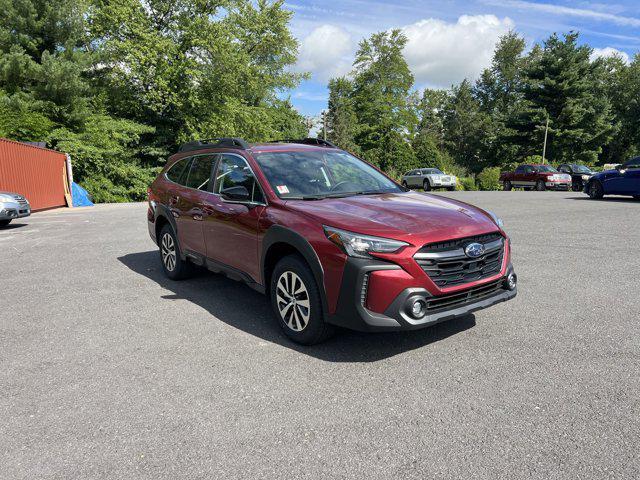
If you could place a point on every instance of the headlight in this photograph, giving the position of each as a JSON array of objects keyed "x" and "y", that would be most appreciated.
[
  {"x": 6, "y": 198},
  {"x": 497, "y": 220},
  {"x": 585, "y": 177},
  {"x": 356, "y": 245}
]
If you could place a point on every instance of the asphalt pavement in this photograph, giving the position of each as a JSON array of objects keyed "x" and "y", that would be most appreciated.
[{"x": 109, "y": 370}]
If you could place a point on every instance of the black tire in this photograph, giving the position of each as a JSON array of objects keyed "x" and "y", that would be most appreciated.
[
  {"x": 507, "y": 186},
  {"x": 451, "y": 189},
  {"x": 4, "y": 223},
  {"x": 170, "y": 257},
  {"x": 540, "y": 186},
  {"x": 596, "y": 192},
  {"x": 404, "y": 184},
  {"x": 577, "y": 186},
  {"x": 426, "y": 186},
  {"x": 296, "y": 302}
]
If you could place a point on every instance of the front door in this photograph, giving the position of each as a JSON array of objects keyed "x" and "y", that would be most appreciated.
[{"x": 231, "y": 228}]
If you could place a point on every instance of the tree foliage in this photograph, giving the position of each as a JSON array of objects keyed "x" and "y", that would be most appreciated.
[{"x": 119, "y": 83}]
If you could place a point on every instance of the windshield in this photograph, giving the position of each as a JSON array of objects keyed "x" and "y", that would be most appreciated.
[
  {"x": 317, "y": 174},
  {"x": 546, "y": 168},
  {"x": 581, "y": 169}
]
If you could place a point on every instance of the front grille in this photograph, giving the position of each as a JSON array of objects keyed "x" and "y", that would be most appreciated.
[
  {"x": 21, "y": 200},
  {"x": 475, "y": 294},
  {"x": 447, "y": 265}
]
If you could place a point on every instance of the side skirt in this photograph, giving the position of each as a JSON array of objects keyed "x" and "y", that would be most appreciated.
[{"x": 229, "y": 271}]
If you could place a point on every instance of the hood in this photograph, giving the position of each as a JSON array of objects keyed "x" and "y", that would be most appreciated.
[{"x": 412, "y": 217}]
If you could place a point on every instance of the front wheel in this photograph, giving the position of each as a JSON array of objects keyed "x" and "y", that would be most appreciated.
[
  {"x": 577, "y": 186},
  {"x": 296, "y": 302},
  {"x": 4, "y": 223},
  {"x": 404, "y": 184},
  {"x": 451, "y": 189},
  {"x": 426, "y": 186},
  {"x": 596, "y": 191},
  {"x": 540, "y": 186}
]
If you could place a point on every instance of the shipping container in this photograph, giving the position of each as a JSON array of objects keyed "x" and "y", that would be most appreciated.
[{"x": 37, "y": 173}]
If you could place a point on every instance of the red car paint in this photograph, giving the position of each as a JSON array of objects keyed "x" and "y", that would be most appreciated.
[
  {"x": 535, "y": 177},
  {"x": 232, "y": 233}
]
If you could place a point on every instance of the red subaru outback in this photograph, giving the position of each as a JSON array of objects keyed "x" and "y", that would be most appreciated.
[{"x": 329, "y": 238}]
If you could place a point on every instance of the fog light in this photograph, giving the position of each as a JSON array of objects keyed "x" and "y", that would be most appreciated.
[
  {"x": 418, "y": 309},
  {"x": 512, "y": 280}
]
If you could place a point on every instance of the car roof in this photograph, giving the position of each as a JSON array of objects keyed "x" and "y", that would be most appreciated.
[{"x": 287, "y": 147}]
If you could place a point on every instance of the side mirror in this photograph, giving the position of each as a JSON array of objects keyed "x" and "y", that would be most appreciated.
[{"x": 237, "y": 194}]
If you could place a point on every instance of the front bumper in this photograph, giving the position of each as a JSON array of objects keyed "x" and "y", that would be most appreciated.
[
  {"x": 11, "y": 210},
  {"x": 351, "y": 311},
  {"x": 559, "y": 185}
]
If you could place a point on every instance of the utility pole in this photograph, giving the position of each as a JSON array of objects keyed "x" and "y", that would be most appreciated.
[
  {"x": 324, "y": 124},
  {"x": 544, "y": 146}
]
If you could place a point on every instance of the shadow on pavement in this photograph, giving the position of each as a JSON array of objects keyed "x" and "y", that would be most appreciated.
[
  {"x": 607, "y": 199},
  {"x": 245, "y": 309},
  {"x": 13, "y": 226}
]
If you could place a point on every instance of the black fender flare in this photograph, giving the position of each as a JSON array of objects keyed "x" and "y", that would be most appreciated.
[
  {"x": 164, "y": 212},
  {"x": 279, "y": 234}
]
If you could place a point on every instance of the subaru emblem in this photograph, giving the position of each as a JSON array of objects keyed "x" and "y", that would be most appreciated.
[{"x": 474, "y": 250}]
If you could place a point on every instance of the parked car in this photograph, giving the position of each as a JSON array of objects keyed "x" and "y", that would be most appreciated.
[
  {"x": 538, "y": 177},
  {"x": 623, "y": 180},
  {"x": 12, "y": 206},
  {"x": 580, "y": 175},
  {"x": 329, "y": 238},
  {"x": 428, "y": 179}
]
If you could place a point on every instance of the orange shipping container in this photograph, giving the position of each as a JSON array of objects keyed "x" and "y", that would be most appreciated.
[{"x": 37, "y": 173}]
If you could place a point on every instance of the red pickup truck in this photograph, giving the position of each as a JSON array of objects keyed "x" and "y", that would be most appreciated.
[{"x": 538, "y": 177}]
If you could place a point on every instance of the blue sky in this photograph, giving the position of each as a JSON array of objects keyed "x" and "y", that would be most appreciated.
[{"x": 448, "y": 39}]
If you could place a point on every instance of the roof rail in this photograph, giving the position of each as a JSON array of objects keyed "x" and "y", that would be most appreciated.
[
  {"x": 307, "y": 141},
  {"x": 224, "y": 142}
]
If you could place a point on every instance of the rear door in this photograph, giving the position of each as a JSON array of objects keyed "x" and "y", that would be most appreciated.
[
  {"x": 189, "y": 204},
  {"x": 518, "y": 176}
]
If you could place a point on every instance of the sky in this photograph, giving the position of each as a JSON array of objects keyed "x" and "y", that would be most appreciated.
[{"x": 448, "y": 40}]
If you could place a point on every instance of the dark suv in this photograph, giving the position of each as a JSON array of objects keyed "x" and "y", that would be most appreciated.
[{"x": 328, "y": 237}]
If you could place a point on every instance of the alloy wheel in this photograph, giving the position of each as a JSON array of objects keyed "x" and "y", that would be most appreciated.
[
  {"x": 293, "y": 301},
  {"x": 168, "y": 252}
]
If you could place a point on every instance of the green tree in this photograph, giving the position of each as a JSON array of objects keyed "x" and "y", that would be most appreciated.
[
  {"x": 382, "y": 83},
  {"x": 341, "y": 116},
  {"x": 561, "y": 85}
]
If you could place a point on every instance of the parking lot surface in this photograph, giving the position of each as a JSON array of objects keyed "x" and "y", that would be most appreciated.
[{"x": 109, "y": 370}]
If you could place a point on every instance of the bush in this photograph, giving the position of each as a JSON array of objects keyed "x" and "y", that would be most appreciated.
[
  {"x": 489, "y": 178},
  {"x": 467, "y": 183}
]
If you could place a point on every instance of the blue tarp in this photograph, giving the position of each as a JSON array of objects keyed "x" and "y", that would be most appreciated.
[{"x": 80, "y": 196}]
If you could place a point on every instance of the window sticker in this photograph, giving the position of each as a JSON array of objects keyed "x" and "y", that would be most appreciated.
[{"x": 282, "y": 189}]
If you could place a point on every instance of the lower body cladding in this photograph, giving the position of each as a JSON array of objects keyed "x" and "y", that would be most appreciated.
[{"x": 411, "y": 308}]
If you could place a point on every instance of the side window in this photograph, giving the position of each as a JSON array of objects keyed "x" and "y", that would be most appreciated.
[
  {"x": 234, "y": 171},
  {"x": 178, "y": 171},
  {"x": 564, "y": 169},
  {"x": 520, "y": 169},
  {"x": 634, "y": 163},
  {"x": 199, "y": 176},
  {"x": 529, "y": 170}
]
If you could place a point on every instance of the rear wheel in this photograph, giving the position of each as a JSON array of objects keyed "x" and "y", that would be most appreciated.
[
  {"x": 507, "y": 186},
  {"x": 404, "y": 184},
  {"x": 540, "y": 186},
  {"x": 174, "y": 267},
  {"x": 4, "y": 223},
  {"x": 296, "y": 302},
  {"x": 426, "y": 186},
  {"x": 596, "y": 191}
]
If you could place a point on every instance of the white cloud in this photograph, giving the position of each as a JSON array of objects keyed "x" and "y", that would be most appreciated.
[
  {"x": 569, "y": 11},
  {"x": 326, "y": 52},
  {"x": 441, "y": 54},
  {"x": 608, "y": 52}
]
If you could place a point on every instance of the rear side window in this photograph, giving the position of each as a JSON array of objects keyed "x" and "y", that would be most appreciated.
[
  {"x": 520, "y": 169},
  {"x": 177, "y": 173},
  {"x": 634, "y": 163},
  {"x": 234, "y": 171},
  {"x": 199, "y": 177}
]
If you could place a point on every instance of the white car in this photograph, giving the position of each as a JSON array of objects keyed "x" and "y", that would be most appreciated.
[
  {"x": 428, "y": 179},
  {"x": 12, "y": 205}
]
